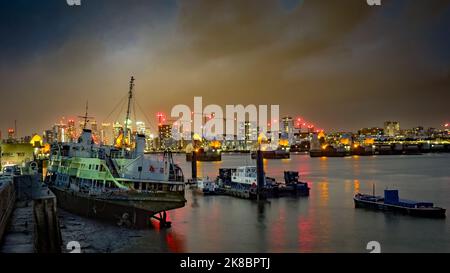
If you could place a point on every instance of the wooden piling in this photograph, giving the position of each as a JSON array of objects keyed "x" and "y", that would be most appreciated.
[{"x": 47, "y": 234}]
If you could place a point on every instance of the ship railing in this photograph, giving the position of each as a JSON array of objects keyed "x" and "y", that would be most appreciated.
[{"x": 159, "y": 185}]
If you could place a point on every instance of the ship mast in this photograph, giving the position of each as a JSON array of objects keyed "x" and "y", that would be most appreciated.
[
  {"x": 85, "y": 117},
  {"x": 130, "y": 97}
]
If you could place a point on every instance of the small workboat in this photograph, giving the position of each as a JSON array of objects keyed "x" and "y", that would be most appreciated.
[
  {"x": 392, "y": 202},
  {"x": 207, "y": 187}
]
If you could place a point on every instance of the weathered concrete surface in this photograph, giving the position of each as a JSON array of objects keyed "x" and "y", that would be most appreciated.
[
  {"x": 23, "y": 185},
  {"x": 93, "y": 236},
  {"x": 7, "y": 200},
  {"x": 35, "y": 220},
  {"x": 19, "y": 235}
]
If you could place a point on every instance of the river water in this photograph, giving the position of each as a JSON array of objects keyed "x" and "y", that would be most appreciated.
[{"x": 326, "y": 221}]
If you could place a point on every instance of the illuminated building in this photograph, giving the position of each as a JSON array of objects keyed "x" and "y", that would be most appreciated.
[
  {"x": 165, "y": 131},
  {"x": 94, "y": 126},
  {"x": 81, "y": 125},
  {"x": 106, "y": 134},
  {"x": 229, "y": 142},
  {"x": 95, "y": 132},
  {"x": 11, "y": 133},
  {"x": 391, "y": 128},
  {"x": 49, "y": 136},
  {"x": 288, "y": 129},
  {"x": 16, "y": 153},
  {"x": 71, "y": 132},
  {"x": 150, "y": 142},
  {"x": 59, "y": 131},
  {"x": 165, "y": 135},
  {"x": 140, "y": 127},
  {"x": 117, "y": 130},
  {"x": 129, "y": 127},
  {"x": 247, "y": 135},
  {"x": 371, "y": 131},
  {"x": 414, "y": 133},
  {"x": 446, "y": 128},
  {"x": 36, "y": 141}
]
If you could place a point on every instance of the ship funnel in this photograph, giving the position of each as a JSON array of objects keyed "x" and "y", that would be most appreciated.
[
  {"x": 86, "y": 138},
  {"x": 140, "y": 145}
]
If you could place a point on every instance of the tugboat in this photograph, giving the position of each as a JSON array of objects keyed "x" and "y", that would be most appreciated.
[
  {"x": 392, "y": 202},
  {"x": 243, "y": 182},
  {"x": 240, "y": 182},
  {"x": 119, "y": 185}
]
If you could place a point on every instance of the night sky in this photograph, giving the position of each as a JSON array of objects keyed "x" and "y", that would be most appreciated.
[{"x": 340, "y": 64}]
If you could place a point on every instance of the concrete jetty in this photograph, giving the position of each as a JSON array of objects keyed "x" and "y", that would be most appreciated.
[{"x": 34, "y": 225}]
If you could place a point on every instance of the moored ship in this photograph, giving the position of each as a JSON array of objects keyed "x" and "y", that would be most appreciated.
[
  {"x": 121, "y": 185},
  {"x": 392, "y": 202},
  {"x": 207, "y": 187},
  {"x": 239, "y": 182},
  {"x": 242, "y": 182}
]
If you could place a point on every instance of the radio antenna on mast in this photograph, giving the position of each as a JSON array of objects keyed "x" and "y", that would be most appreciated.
[{"x": 86, "y": 117}]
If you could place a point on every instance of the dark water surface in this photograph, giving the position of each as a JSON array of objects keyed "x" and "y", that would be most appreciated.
[{"x": 325, "y": 222}]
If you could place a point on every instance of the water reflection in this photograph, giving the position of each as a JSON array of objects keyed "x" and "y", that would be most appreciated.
[
  {"x": 355, "y": 186},
  {"x": 262, "y": 210},
  {"x": 326, "y": 220},
  {"x": 175, "y": 242},
  {"x": 277, "y": 232},
  {"x": 305, "y": 234},
  {"x": 348, "y": 185},
  {"x": 323, "y": 192}
]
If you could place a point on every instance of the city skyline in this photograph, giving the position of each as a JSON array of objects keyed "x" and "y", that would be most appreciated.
[
  {"x": 72, "y": 129},
  {"x": 342, "y": 66},
  {"x": 152, "y": 126}
]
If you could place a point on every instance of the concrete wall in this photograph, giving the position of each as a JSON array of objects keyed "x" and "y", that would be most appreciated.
[{"x": 7, "y": 200}]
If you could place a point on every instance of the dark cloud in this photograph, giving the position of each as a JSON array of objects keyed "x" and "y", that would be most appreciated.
[{"x": 341, "y": 64}]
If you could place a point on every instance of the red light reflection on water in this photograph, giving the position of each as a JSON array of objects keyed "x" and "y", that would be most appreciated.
[
  {"x": 278, "y": 232},
  {"x": 305, "y": 226},
  {"x": 305, "y": 235},
  {"x": 174, "y": 242}
]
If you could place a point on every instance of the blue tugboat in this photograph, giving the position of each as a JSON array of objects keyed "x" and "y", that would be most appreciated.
[{"x": 392, "y": 202}]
